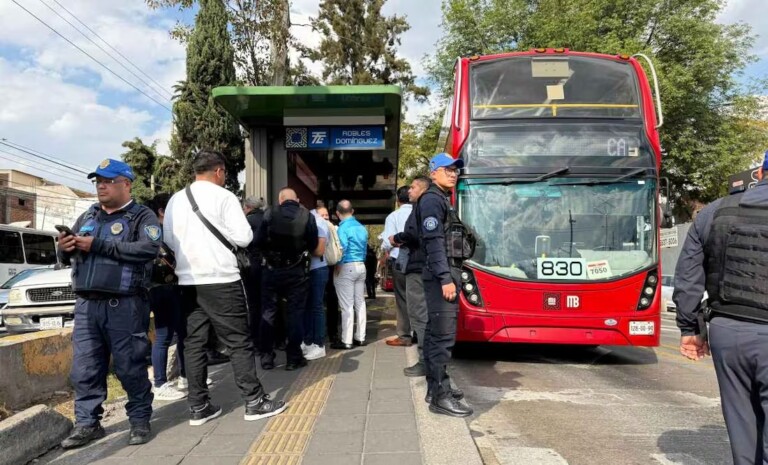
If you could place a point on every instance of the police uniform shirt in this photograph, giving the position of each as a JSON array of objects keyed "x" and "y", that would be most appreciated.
[
  {"x": 133, "y": 242},
  {"x": 433, "y": 212},
  {"x": 690, "y": 271}
]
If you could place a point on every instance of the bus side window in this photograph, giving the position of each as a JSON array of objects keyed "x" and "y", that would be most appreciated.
[
  {"x": 10, "y": 247},
  {"x": 40, "y": 249}
]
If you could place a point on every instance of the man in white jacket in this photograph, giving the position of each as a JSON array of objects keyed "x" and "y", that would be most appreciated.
[{"x": 211, "y": 287}]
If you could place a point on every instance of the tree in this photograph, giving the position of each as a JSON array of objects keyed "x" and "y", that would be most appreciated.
[
  {"x": 199, "y": 122},
  {"x": 260, "y": 34},
  {"x": 708, "y": 130},
  {"x": 418, "y": 143},
  {"x": 359, "y": 46},
  {"x": 142, "y": 158}
]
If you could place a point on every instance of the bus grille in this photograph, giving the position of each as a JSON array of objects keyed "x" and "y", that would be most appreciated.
[{"x": 51, "y": 294}]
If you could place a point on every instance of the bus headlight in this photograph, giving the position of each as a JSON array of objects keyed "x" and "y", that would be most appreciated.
[
  {"x": 469, "y": 288},
  {"x": 649, "y": 290},
  {"x": 14, "y": 297}
]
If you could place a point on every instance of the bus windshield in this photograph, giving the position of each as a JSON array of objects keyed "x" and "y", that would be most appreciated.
[
  {"x": 561, "y": 229},
  {"x": 560, "y": 86}
]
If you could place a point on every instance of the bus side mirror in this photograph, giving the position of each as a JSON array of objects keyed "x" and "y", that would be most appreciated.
[{"x": 667, "y": 220}]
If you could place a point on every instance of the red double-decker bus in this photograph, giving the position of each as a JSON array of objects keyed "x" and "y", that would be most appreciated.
[{"x": 561, "y": 188}]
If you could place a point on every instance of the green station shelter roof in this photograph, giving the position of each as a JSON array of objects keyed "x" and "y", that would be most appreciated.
[{"x": 268, "y": 106}]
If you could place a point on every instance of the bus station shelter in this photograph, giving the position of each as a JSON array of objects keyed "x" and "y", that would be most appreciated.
[{"x": 326, "y": 142}]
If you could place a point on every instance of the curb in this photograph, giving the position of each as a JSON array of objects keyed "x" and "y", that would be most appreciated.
[
  {"x": 31, "y": 433},
  {"x": 444, "y": 440}
]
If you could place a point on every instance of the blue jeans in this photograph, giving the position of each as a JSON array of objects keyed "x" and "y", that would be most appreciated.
[
  {"x": 166, "y": 306},
  {"x": 314, "y": 316}
]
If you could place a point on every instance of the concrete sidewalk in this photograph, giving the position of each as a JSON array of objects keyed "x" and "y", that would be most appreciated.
[{"x": 351, "y": 407}]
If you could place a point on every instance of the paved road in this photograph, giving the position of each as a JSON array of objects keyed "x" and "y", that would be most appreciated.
[{"x": 608, "y": 405}]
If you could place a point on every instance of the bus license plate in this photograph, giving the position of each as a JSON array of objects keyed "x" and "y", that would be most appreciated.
[
  {"x": 51, "y": 323},
  {"x": 641, "y": 328}
]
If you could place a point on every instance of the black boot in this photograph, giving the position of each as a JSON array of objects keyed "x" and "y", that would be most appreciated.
[
  {"x": 457, "y": 394},
  {"x": 416, "y": 370},
  {"x": 139, "y": 434},
  {"x": 447, "y": 404},
  {"x": 82, "y": 435}
]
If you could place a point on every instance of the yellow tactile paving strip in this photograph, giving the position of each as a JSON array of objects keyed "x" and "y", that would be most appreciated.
[{"x": 285, "y": 437}]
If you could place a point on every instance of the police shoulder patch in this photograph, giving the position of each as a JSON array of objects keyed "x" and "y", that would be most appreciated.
[
  {"x": 430, "y": 223},
  {"x": 153, "y": 232}
]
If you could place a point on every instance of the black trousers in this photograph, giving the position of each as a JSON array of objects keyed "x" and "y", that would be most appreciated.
[
  {"x": 253, "y": 292},
  {"x": 223, "y": 308},
  {"x": 740, "y": 354},
  {"x": 293, "y": 285},
  {"x": 440, "y": 333},
  {"x": 331, "y": 308}
]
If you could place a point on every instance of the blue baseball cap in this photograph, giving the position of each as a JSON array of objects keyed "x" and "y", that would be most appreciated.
[
  {"x": 111, "y": 169},
  {"x": 442, "y": 160},
  {"x": 765, "y": 161}
]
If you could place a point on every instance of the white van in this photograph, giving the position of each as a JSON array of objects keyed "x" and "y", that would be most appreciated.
[{"x": 22, "y": 248}]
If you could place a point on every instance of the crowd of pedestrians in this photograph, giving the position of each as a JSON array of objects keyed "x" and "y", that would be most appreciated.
[{"x": 225, "y": 278}]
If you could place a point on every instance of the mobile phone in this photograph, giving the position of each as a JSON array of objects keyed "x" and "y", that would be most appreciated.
[{"x": 64, "y": 229}]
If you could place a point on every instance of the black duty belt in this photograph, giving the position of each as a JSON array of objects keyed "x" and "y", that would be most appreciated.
[
  {"x": 284, "y": 263},
  {"x": 455, "y": 262},
  {"x": 93, "y": 295}
]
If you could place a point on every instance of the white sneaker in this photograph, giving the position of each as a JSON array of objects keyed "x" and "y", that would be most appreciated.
[
  {"x": 182, "y": 383},
  {"x": 305, "y": 349},
  {"x": 315, "y": 352},
  {"x": 168, "y": 392}
]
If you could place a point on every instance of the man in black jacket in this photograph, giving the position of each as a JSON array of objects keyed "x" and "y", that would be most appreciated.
[
  {"x": 414, "y": 286},
  {"x": 253, "y": 208},
  {"x": 285, "y": 238}
]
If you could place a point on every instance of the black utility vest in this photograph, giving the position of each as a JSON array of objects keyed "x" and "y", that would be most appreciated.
[
  {"x": 286, "y": 241},
  {"x": 737, "y": 261},
  {"x": 459, "y": 240}
]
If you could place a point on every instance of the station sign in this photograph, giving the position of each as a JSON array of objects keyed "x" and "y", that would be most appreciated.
[{"x": 340, "y": 137}]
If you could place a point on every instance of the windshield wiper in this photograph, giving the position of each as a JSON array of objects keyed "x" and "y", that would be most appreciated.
[
  {"x": 544, "y": 176},
  {"x": 595, "y": 182}
]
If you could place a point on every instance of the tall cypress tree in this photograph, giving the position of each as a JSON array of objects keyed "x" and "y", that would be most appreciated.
[{"x": 199, "y": 122}]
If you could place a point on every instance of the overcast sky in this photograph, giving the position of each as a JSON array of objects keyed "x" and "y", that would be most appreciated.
[{"x": 58, "y": 101}]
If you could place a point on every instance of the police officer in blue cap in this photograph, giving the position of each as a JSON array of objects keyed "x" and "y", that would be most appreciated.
[
  {"x": 443, "y": 240},
  {"x": 111, "y": 248},
  {"x": 726, "y": 254}
]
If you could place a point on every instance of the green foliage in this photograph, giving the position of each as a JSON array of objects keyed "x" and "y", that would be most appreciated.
[
  {"x": 260, "y": 34},
  {"x": 418, "y": 143},
  {"x": 359, "y": 46},
  {"x": 709, "y": 130},
  {"x": 142, "y": 158},
  {"x": 199, "y": 122}
]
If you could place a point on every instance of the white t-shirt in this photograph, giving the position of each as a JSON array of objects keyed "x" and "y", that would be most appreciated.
[{"x": 200, "y": 257}]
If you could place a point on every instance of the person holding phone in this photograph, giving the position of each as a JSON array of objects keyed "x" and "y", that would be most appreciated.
[
  {"x": 111, "y": 248},
  {"x": 437, "y": 223}
]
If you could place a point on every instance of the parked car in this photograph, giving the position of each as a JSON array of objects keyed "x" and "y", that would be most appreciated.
[
  {"x": 667, "y": 288},
  {"x": 42, "y": 301},
  {"x": 5, "y": 288}
]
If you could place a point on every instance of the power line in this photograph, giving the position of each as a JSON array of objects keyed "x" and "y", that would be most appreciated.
[
  {"x": 113, "y": 48},
  {"x": 38, "y": 154},
  {"x": 91, "y": 57},
  {"x": 21, "y": 161},
  {"x": 57, "y": 195},
  {"x": 105, "y": 51}
]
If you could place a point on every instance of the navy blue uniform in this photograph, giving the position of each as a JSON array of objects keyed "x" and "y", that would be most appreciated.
[
  {"x": 440, "y": 334},
  {"x": 739, "y": 345},
  {"x": 112, "y": 311},
  {"x": 286, "y": 275}
]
